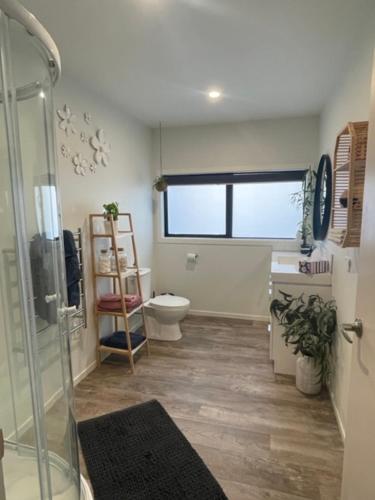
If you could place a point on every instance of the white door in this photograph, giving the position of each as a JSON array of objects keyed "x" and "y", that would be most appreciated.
[{"x": 359, "y": 457}]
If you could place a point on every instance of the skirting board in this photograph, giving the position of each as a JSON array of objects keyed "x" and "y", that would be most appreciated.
[
  {"x": 222, "y": 314},
  {"x": 338, "y": 417},
  {"x": 78, "y": 378},
  {"x": 27, "y": 424}
]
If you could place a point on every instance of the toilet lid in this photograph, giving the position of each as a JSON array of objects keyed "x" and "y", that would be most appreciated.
[{"x": 164, "y": 301}]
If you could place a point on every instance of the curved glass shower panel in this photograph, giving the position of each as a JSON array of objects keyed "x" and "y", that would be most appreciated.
[{"x": 41, "y": 453}]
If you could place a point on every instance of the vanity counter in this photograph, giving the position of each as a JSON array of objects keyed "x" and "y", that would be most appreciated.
[{"x": 285, "y": 277}]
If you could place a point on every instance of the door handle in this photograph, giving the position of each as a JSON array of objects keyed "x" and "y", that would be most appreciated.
[{"x": 356, "y": 327}]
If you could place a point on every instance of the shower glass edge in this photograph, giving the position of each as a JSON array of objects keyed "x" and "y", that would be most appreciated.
[{"x": 36, "y": 404}]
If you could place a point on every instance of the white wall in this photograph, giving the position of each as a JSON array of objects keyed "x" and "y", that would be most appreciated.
[
  {"x": 128, "y": 180},
  {"x": 231, "y": 277},
  {"x": 252, "y": 145},
  {"x": 349, "y": 102}
]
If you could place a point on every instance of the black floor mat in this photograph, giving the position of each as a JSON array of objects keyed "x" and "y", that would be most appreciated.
[{"x": 140, "y": 454}]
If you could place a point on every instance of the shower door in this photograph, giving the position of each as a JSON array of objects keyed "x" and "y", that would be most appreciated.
[{"x": 36, "y": 413}]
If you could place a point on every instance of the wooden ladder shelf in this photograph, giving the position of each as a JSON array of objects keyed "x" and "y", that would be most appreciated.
[{"x": 119, "y": 279}]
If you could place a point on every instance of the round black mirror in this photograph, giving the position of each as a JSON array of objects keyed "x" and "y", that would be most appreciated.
[{"x": 322, "y": 198}]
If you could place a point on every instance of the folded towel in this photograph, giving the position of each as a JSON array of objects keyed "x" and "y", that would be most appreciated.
[
  {"x": 114, "y": 297},
  {"x": 110, "y": 297},
  {"x": 112, "y": 302},
  {"x": 117, "y": 303},
  {"x": 129, "y": 308}
]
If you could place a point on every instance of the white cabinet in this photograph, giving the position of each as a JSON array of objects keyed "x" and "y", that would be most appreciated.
[{"x": 286, "y": 277}]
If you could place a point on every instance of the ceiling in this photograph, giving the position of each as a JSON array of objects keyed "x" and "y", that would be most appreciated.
[{"x": 157, "y": 58}]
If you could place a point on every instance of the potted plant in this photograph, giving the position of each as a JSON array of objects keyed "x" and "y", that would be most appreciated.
[
  {"x": 160, "y": 184},
  {"x": 111, "y": 212},
  {"x": 309, "y": 326},
  {"x": 304, "y": 200}
]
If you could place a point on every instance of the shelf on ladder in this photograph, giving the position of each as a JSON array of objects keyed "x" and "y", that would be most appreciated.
[
  {"x": 123, "y": 274},
  {"x": 118, "y": 340},
  {"x": 119, "y": 234},
  {"x": 120, "y": 314}
]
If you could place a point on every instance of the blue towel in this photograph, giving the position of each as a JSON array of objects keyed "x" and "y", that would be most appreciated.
[
  {"x": 118, "y": 340},
  {"x": 73, "y": 273}
]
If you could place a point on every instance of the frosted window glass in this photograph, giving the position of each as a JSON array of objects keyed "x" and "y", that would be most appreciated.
[
  {"x": 264, "y": 210},
  {"x": 197, "y": 210}
]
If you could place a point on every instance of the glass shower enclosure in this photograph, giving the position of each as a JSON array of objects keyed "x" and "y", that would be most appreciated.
[{"x": 38, "y": 437}]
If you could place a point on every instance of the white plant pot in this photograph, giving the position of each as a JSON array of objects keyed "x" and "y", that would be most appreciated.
[
  {"x": 108, "y": 227},
  {"x": 307, "y": 376}
]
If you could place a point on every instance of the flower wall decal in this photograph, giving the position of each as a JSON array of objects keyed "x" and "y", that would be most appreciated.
[
  {"x": 80, "y": 164},
  {"x": 67, "y": 120},
  {"x": 102, "y": 148},
  {"x": 65, "y": 151},
  {"x": 82, "y": 145},
  {"x": 87, "y": 117}
]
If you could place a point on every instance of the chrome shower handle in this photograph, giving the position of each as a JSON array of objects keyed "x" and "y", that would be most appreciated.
[
  {"x": 67, "y": 310},
  {"x": 50, "y": 298}
]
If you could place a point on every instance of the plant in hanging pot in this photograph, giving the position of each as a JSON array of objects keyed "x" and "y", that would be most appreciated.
[
  {"x": 111, "y": 211},
  {"x": 309, "y": 326},
  {"x": 160, "y": 184}
]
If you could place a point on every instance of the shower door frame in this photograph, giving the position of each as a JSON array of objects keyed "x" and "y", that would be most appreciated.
[{"x": 9, "y": 97}]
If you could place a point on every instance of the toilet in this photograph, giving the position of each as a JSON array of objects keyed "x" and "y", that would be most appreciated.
[{"x": 163, "y": 312}]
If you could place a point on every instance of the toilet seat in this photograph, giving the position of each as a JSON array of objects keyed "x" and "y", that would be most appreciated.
[{"x": 166, "y": 302}]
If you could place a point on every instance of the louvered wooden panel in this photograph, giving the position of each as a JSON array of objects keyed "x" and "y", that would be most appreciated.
[{"x": 348, "y": 182}]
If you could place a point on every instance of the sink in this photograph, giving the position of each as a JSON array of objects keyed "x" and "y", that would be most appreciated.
[
  {"x": 289, "y": 260},
  {"x": 285, "y": 268}
]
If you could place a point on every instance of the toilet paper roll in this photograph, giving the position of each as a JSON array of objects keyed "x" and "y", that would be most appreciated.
[{"x": 191, "y": 258}]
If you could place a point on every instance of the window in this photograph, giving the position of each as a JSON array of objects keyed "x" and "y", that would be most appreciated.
[
  {"x": 199, "y": 210},
  {"x": 248, "y": 205},
  {"x": 264, "y": 210}
]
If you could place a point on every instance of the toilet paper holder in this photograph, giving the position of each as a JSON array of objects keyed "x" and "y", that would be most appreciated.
[{"x": 192, "y": 258}]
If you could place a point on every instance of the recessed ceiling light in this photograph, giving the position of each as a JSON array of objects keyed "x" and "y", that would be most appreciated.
[{"x": 214, "y": 95}]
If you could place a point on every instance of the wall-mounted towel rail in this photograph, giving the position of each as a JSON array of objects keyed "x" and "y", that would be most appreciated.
[{"x": 78, "y": 319}]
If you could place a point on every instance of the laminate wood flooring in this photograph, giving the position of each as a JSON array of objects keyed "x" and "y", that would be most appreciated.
[{"x": 259, "y": 436}]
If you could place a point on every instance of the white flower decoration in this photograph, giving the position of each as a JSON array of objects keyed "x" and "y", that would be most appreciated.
[
  {"x": 102, "y": 148},
  {"x": 80, "y": 164},
  {"x": 87, "y": 117},
  {"x": 83, "y": 137},
  {"x": 65, "y": 151},
  {"x": 92, "y": 167},
  {"x": 67, "y": 119}
]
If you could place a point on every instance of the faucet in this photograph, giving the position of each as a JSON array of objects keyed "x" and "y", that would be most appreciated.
[{"x": 312, "y": 248}]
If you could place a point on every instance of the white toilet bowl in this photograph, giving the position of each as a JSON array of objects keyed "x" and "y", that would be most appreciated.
[{"x": 163, "y": 316}]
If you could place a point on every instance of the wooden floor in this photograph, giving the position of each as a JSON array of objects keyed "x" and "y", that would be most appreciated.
[{"x": 260, "y": 437}]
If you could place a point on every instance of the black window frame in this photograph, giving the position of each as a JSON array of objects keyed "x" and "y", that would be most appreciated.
[{"x": 228, "y": 179}]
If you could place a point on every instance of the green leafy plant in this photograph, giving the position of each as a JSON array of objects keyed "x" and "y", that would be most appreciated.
[
  {"x": 304, "y": 199},
  {"x": 111, "y": 209},
  {"x": 160, "y": 183},
  {"x": 309, "y": 325}
]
